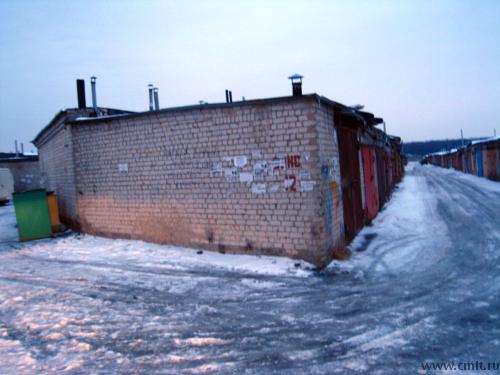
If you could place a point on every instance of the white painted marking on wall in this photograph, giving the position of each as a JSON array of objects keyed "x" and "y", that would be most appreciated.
[
  {"x": 123, "y": 168},
  {"x": 216, "y": 168},
  {"x": 258, "y": 188},
  {"x": 289, "y": 182},
  {"x": 305, "y": 175},
  {"x": 275, "y": 188},
  {"x": 307, "y": 185},
  {"x": 260, "y": 169},
  {"x": 256, "y": 154},
  {"x": 240, "y": 161},
  {"x": 246, "y": 177},
  {"x": 231, "y": 174}
]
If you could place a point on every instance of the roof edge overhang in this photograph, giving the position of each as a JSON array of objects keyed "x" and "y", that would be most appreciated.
[
  {"x": 198, "y": 107},
  {"x": 70, "y": 115},
  {"x": 66, "y": 115}
]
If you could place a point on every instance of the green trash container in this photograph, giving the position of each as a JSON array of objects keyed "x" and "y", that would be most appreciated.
[{"x": 32, "y": 215}]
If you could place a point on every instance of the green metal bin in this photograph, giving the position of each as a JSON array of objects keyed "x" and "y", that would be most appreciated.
[{"x": 32, "y": 215}]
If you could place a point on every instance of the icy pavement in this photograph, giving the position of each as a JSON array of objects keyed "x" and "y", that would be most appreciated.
[{"x": 423, "y": 285}]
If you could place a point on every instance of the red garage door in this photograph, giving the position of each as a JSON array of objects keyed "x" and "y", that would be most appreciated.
[{"x": 351, "y": 186}]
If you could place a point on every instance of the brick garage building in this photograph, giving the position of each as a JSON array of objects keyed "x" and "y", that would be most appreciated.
[
  {"x": 259, "y": 176},
  {"x": 24, "y": 169},
  {"x": 56, "y": 162}
]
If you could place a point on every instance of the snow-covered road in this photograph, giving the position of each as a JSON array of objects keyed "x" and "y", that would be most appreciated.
[{"x": 423, "y": 285}]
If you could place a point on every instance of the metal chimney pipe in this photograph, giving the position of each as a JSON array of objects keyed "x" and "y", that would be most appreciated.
[
  {"x": 296, "y": 84},
  {"x": 227, "y": 96},
  {"x": 80, "y": 90},
  {"x": 94, "y": 97},
  {"x": 230, "y": 96},
  {"x": 151, "y": 104},
  {"x": 297, "y": 88},
  {"x": 157, "y": 101}
]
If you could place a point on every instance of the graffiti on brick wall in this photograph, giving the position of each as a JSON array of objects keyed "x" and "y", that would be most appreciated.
[
  {"x": 293, "y": 161},
  {"x": 331, "y": 188},
  {"x": 277, "y": 165},
  {"x": 290, "y": 182},
  {"x": 325, "y": 175},
  {"x": 286, "y": 173}
]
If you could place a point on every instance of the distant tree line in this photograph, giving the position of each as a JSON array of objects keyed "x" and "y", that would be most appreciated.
[{"x": 428, "y": 147}]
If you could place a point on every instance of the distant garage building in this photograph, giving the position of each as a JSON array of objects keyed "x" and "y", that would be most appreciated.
[
  {"x": 479, "y": 157},
  {"x": 292, "y": 176},
  {"x": 24, "y": 170}
]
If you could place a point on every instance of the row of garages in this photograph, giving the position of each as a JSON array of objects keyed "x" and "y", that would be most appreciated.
[
  {"x": 371, "y": 165},
  {"x": 480, "y": 158},
  {"x": 383, "y": 168}
]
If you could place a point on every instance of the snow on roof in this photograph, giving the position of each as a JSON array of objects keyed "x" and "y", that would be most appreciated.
[
  {"x": 82, "y": 118},
  {"x": 485, "y": 140},
  {"x": 440, "y": 153},
  {"x": 479, "y": 141}
]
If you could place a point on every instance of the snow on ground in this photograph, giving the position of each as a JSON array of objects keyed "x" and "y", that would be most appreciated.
[
  {"x": 73, "y": 246},
  {"x": 398, "y": 239},
  {"x": 480, "y": 182},
  {"x": 423, "y": 284},
  {"x": 8, "y": 231}
]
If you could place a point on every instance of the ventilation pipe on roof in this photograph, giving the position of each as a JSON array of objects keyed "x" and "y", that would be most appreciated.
[
  {"x": 296, "y": 84},
  {"x": 94, "y": 97},
  {"x": 17, "y": 150},
  {"x": 227, "y": 96},
  {"x": 80, "y": 90},
  {"x": 157, "y": 101},
  {"x": 230, "y": 96},
  {"x": 151, "y": 104}
]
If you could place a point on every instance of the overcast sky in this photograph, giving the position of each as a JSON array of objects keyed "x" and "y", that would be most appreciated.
[{"x": 428, "y": 68}]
